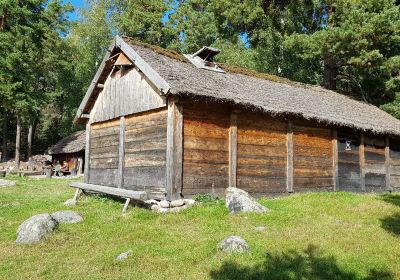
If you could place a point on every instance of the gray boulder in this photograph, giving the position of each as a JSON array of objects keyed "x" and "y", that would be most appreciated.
[
  {"x": 123, "y": 256},
  {"x": 6, "y": 183},
  {"x": 67, "y": 217},
  {"x": 35, "y": 228},
  {"x": 238, "y": 200},
  {"x": 233, "y": 244}
]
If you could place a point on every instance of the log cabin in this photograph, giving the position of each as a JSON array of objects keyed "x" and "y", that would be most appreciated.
[
  {"x": 168, "y": 125},
  {"x": 70, "y": 149}
]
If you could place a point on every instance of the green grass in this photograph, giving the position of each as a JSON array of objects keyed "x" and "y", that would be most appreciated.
[{"x": 308, "y": 236}]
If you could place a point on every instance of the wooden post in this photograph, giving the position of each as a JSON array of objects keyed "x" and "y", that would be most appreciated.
[
  {"x": 289, "y": 170},
  {"x": 174, "y": 150},
  {"x": 361, "y": 152},
  {"x": 87, "y": 153},
  {"x": 335, "y": 152},
  {"x": 127, "y": 201},
  {"x": 121, "y": 153},
  {"x": 387, "y": 164},
  {"x": 232, "y": 150}
]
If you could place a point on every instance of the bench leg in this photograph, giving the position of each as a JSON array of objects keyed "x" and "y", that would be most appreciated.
[
  {"x": 76, "y": 196},
  {"x": 128, "y": 200}
]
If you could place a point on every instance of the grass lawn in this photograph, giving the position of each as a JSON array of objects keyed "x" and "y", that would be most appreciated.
[{"x": 308, "y": 236}]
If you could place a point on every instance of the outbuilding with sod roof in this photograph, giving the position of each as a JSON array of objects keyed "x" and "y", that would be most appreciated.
[{"x": 169, "y": 125}]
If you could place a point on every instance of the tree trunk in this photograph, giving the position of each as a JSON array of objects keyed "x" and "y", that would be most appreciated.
[
  {"x": 30, "y": 138},
  {"x": 18, "y": 142},
  {"x": 330, "y": 73},
  {"x": 5, "y": 138}
]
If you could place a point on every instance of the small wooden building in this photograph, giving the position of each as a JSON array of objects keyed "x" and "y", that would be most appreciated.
[
  {"x": 70, "y": 149},
  {"x": 175, "y": 125}
]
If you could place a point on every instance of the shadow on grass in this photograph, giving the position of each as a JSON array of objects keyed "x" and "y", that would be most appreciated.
[
  {"x": 391, "y": 198},
  {"x": 391, "y": 224},
  {"x": 293, "y": 266}
]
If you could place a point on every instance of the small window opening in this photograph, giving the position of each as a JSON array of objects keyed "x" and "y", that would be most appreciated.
[{"x": 204, "y": 59}]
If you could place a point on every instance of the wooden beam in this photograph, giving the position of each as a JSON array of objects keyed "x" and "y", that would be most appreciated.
[
  {"x": 387, "y": 164},
  {"x": 361, "y": 152},
  {"x": 138, "y": 195},
  {"x": 174, "y": 168},
  {"x": 100, "y": 85},
  {"x": 87, "y": 153},
  {"x": 121, "y": 153},
  {"x": 128, "y": 200},
  {"x": 232, "y": 150},
  {"x": 289, "y": 163},
  {"x": 335, "y": 152}
]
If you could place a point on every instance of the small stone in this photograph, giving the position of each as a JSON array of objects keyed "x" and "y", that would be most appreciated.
[
  {"x": 70, "y": 202},
  {"x": 35, "y": 228},
  {"x": 177, "y": 203},
  {"x": 164, "y": 210},
  {"x": 7, "y": 183},
  {"x": 155, "y": 207},
  {"x": 233, "y": 244},
  {"x": 67, "y": 217},
  {"x": 238, "y": 200},
  {"x": 179, "y": 209},
  {"x": 123, "y": 256},
  {"x": 151, "y": 201},
  {"x": 260, "y": 228},
  {"x": 164, "y": 204},
  {"x": 190, "y": 201}
]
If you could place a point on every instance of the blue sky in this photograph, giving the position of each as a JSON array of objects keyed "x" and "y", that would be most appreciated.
[{"x": 77, "y": 4}]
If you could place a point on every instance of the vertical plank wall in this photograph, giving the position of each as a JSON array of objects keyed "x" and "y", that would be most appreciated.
[
  {"x": 104, "y": 140},
  {"x": 261, "y": 154},
  {"x": 205, "y": 149},
  {"x": 145, "y": 152},
  {"x": 394, "y": 164},
  {"x": 374, "y": 153},
  {"x": 312, "y": 157}
]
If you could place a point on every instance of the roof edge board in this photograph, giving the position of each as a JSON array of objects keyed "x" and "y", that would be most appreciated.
[
  {"x": 94, "y": 82},
  {"x": 149, "y": 72}
]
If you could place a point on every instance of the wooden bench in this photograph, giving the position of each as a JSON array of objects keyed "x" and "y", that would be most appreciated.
[{"x": 127, "y": 194}]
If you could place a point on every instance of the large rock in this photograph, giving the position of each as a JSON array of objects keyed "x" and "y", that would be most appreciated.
[
  {"x": 6, "y": 183},
  {"x": 238, "y": 200},
  {"x": 35, "y": 228},
  {"x": 67, "y": 217},
  {"x": 233, "y": 244}
]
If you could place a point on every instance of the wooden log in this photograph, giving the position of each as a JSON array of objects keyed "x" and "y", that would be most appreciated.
[
  {"x": 361, "y": 151},
  {"x": 87, "y": 153},
  {"x": 121, "y": 153},
  {"x": 387, "y": 164},
  {"x": 335, "y": 157},
  {"x": 289, "y": 169},
  {"x": 174, "y": 164},
  {"x": 128, "y": 200},
  {"x": 138, "y": 195},
  {"x": 232, "y": 150}
]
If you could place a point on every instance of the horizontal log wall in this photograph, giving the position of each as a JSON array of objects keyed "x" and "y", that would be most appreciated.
[
  {"x": 394, "y": 168},
  {"x": 261, "y": 154},
  {"x": 375, "y": 172},
  {"x": 312, "y": 157},
  {"x": 349, "y": 178},
  {"x": 104, "y": 143},
  {"x": 145, "y": 152},
  {"x": 205, "y": 150}
]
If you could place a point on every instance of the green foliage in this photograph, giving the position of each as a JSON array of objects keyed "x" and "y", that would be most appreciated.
[{"x": 206, "y": 198}]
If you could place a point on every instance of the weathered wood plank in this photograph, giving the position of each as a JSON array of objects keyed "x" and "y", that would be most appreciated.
[
  {"x": 121, "y": 153},
  {"x": 387, "y": 164},
  {"x": 362, "y": 162},
  {"x": 174, "y": 159},
  {"x": 289, "y": 160},
  {"x": 233, "y": 150},
  {"x": 139, "y": 195},
  {"x": 87, "y": 153}
]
